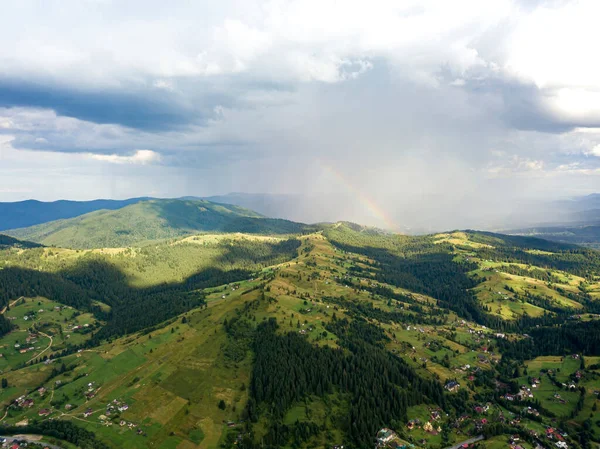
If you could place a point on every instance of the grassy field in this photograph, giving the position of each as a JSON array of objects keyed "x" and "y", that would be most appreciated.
[
  {"x": 36, "y": 321},
  {"x": 178, "y": 375}
]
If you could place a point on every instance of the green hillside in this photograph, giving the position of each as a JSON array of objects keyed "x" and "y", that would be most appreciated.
[
  {"x": 150, "y": 221},
  {"x": 253, "y": 341}
]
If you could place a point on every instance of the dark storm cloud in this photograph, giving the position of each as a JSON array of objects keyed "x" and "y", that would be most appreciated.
[{"x": 143, "y": 109}]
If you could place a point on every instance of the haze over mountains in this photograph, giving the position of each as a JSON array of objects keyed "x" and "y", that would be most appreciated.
[{"x": 573, "y": 221}]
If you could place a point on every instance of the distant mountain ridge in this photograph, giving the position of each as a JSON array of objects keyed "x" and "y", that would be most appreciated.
[
  {"x": 574, "y": 220},
  {"x": 22, "y": 214},
  {"x": 152, "y": 220}
]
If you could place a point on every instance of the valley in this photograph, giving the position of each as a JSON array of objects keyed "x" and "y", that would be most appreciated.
[{"x": 313, "y": 339}]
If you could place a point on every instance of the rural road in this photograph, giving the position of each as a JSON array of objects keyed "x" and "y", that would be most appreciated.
[
  {"x": 11, "y": 305},
  {"x": 30, "y": 439},
  {"x": 469, "y": 441},
  {"x": 49, "y": 346}
]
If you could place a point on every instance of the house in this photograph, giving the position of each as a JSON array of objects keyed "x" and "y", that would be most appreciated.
[
  {"x": 384, "y": 436},
  {"x": 427, "y": 427},
  {"x": 44, "y": 412},
  {"x": 41, "y": 391},
  {"x": 123, "y": 407},
  {"x": 561, "y": 445},
  {"x": 452, "y": 386}
]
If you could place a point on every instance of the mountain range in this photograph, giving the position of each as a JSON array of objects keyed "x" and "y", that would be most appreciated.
[
  {"x": 151, "y": 220},
  {"x": 192, "y": 324},
  {"x": 576, "y": 220}
]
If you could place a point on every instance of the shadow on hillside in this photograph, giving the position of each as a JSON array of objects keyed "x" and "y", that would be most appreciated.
[
  {"x": 135, "y": 308},
  {"x": 428, "y": 269}
]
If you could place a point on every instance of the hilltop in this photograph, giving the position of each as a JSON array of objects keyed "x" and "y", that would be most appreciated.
[{"x": 152, "y": 220}]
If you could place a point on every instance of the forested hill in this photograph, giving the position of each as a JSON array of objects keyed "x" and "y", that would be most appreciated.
[
  {"x": 152, "y": 220},
  {"x": 320, "y": 340},
  {"x": 21, "y": 214}
]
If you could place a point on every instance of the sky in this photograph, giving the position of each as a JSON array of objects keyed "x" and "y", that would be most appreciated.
[{"x": 453, "y": 112}]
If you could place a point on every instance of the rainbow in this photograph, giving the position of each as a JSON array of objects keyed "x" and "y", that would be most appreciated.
[{"x": 364, "y": 199}]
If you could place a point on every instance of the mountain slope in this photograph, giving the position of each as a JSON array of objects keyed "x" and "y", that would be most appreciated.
[
  {"x": 10, "y": 242},
  {"x": 23, "y": 214},
  {"x": 585, "y": 235},
  {"x": 152, "y": 220},
  {"x": 314, "y": 342}
]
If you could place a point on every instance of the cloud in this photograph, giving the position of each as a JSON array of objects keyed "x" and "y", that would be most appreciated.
[
  {"x": 430, "y": 107},
  {"x": 595, "y": 151},
  {"x": 134, "y": 108},
  {"x": 138, "y": 157}
]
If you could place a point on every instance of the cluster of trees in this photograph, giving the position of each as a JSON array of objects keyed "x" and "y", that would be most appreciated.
[
  {"x": 535, "y": 273},
  {"x": 63, "y": 430},
  {"x": 415, "y": 315},
  {"x": 575, "y": 260},
  {"x": 568, "y": 338},
  {"x": 380, "y": 386},
  {"x": 299, "y": 432}
]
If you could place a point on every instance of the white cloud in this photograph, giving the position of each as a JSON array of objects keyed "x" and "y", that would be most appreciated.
[
  {"x": 595, "y": 151},
  {"x": 409, "y": 97},
  {"x": 285, "y": 40},
  {"x": 163, "y": 84},
  {"x": 139, "y": 157}
]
